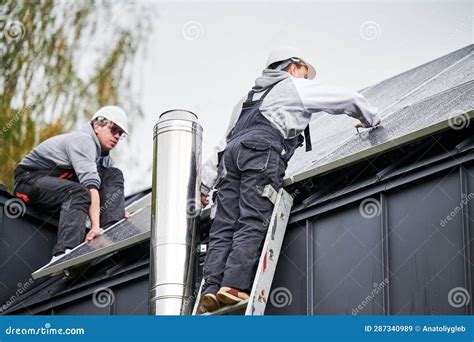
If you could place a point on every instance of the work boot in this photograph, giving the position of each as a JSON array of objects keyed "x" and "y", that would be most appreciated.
[
  {"x": 228, "y": 295},
  {"x": 209, "y": 302}
]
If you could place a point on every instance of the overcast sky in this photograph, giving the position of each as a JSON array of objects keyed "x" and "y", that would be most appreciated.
[{"x": 204, "y": 56}]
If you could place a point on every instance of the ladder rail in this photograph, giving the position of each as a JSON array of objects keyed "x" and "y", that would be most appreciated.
[
  {"x": 198, "y": 299},
  {"x": 270, "y": 253},
  {"x": 268, "y": 260}
]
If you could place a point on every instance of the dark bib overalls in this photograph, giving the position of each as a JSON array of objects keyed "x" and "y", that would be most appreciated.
[{"x": 256, "y": 155}]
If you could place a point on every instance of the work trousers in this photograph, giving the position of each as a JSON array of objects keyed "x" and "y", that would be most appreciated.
[
  {"x": 70, "y": 200},
  {"x": 243, "y": 215}
]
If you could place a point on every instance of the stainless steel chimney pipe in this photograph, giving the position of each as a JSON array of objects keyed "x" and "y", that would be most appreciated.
[{"x": 175, "y": 210}]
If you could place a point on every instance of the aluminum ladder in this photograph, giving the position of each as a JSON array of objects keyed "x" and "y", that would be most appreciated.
[{"x": 262, "y": 283}]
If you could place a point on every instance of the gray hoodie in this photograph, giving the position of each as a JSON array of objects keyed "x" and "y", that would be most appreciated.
[
  {"x": 78, "y": 150},
  {"x": 289, "y": 106}
]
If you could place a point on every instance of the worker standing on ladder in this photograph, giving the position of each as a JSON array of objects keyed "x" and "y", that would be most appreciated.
[
  {"x": 72, "y": 174},
  {"x": 263, "y": 134}
]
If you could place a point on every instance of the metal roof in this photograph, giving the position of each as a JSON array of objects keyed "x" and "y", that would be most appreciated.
[{"x": 413, "y": 104}]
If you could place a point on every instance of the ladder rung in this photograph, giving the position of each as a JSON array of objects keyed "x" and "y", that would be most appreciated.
[
  {"x": 270, "y": 193},
  {"x": 227, "y": 309}
]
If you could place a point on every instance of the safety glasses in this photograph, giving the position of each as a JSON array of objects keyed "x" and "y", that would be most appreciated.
[{"x": 114, "y": 129}]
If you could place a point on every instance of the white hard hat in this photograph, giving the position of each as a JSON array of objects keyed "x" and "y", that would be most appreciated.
[
  {"x": 115, "y": 114},
  {"x": 286, "y": 52}
]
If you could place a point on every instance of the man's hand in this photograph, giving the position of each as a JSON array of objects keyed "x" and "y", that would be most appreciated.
[
  {"x": 93, "y": 233},
  {"x": 204, "y": 200},
  {"x": 127, "y": 215},
  {"x": 361, "y": 125}
]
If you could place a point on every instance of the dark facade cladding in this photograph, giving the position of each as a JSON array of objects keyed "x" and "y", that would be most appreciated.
[
  {"x": 371, "y": 238},
  {"x": 26, "y": 242},
  {"x": 394, "y": 247}
]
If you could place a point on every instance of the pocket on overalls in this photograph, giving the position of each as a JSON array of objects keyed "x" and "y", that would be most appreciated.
[
  {"x": 253, "y": 156},
  {"x": 26, "y": 189}
]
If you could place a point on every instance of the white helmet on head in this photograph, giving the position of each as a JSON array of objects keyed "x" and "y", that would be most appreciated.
[
  {"x": 287, "y": 52},
  {"x": 115, "y": 114}
]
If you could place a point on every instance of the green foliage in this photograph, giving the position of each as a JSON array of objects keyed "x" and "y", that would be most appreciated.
[{"x": 61, "y": 61}]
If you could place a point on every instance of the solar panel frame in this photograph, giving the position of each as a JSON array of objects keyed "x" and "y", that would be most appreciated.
[{"x": 141, "y": 209}]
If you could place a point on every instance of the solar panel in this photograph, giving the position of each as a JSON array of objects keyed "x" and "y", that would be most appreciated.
[
  {"x": 413, "y": 104},
  {"x": 122, "y": 234}
]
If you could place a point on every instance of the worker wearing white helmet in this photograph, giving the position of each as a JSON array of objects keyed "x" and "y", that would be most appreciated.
[
  {"x": 265, "y": 130},
  {"x": 116, "y": 120},
  {"x": 281, "y": 58},
  {"x": 114, "y": 114},
  {"x": 72, "y": 174}
]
